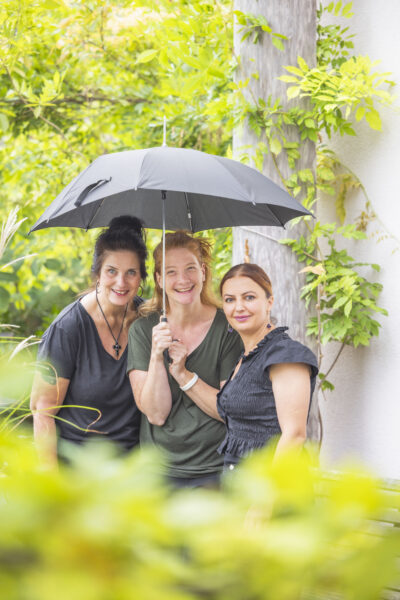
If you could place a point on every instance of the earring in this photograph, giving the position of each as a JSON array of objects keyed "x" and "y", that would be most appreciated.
[
  {"x": 141, "y": 291},
  {"x": 230, "y": 329},
  {"x": 97, "y": 286},
  {"x": 268, "y": 325}
]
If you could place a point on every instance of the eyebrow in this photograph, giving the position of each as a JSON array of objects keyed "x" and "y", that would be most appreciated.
[
  {"x": 242, "y": 294},
  {"x": 174, "y": 266}
]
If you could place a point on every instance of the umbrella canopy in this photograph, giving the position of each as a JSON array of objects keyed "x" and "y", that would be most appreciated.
[{"x": 203, "y": 191}]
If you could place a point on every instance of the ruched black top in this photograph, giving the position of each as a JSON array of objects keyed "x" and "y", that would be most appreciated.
[{"x": 246, "y": 402}]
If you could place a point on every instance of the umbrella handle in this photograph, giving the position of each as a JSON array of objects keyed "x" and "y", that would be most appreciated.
[{"x": 88, "y": 189}]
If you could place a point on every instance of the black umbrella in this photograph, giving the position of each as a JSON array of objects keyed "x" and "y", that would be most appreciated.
[{"x": 170, "y": 188}]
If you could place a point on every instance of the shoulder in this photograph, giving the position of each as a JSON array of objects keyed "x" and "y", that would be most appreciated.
[
  {"x": 67, "y": 319},
  {"x": 281, "y": 348},
  {"x": 144, "y": 325}
]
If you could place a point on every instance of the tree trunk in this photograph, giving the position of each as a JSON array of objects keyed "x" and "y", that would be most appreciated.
[{"x": 296, "y": 19}]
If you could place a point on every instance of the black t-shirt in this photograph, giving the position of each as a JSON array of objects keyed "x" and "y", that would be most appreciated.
[
  {"x": 247, "y": 403},
  {"x": 99, "y": 387}
]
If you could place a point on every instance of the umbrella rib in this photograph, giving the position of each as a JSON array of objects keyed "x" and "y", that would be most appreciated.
[{"x": 189, "y": 212}]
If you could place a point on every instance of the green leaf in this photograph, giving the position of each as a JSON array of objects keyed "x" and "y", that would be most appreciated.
[
  {"x": 348, "y": 307},
  {"x": 146, "y": 56},
  {"x": 4, "y": 124},
  {"x": 53, "y": 264},
  {"x": 4, "y": 299},
  {"x": 302, "y": 63},
  {"x": 293, "y": 92},
  {"x": 373, "y": 119},
  {"x": 278, "y": 43},
  {"x": 275, "y": 146},
  {"x": 360, "y": 112}
]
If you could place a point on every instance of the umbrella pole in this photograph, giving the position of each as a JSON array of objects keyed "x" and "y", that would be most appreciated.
[{"x": 164, "y": 314}]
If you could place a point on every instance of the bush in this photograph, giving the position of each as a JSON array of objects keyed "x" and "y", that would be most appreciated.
[{"x": 110, "y": 529}]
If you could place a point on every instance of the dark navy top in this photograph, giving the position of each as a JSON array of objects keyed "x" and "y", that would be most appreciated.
[
  {"x": 99, "y": 396},
  {"x": 246, "y": 403}
]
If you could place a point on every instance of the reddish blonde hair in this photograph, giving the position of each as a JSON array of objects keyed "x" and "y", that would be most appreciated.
[{"x": 201, "y": 248}]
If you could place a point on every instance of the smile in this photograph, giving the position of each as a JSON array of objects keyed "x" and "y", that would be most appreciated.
[
  {"x": 242, "y": 318},
  {"x": 185, "y": 291},
  {"x": 120, "y": 293}
]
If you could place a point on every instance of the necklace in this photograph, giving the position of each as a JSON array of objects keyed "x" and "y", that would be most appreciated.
[{"x": 117, "y": 347}]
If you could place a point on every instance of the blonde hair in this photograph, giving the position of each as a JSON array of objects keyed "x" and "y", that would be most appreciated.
[{"x": 201, "y": 248}]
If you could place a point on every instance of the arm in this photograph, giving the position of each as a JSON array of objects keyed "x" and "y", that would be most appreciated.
[
  {"x": 151, "y": 388},
  {"x": 202, "y": 394},
  {"x": 46, "y": 400},
  {"x": 291, "y": 387}
]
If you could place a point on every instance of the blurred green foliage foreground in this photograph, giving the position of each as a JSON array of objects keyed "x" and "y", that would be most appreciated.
[{"x": 110, "y": 529}]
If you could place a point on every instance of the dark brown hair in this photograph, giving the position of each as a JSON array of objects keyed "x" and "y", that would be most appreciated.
[
  {"x": 201, "y": 248},
  {"x": 252, "y": 271},
  {"x": 124, "y": 233}
]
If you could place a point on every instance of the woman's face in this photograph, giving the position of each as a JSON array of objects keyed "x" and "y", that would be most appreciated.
[
  {"x": 245, "y": 305},
  {"x": 119, "y": 277},
  {"x": 184, "y": 276}
]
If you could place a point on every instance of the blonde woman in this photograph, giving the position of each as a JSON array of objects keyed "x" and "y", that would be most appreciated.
[{"x": 177, "y": 367}]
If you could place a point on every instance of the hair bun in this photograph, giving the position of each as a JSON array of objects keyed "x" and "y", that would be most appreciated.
[{"x": 126, "y": 223}]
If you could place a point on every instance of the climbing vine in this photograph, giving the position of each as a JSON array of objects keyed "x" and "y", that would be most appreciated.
[{"x": 341, "y": 89}]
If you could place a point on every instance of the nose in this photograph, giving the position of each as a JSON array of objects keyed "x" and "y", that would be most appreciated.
[
  {"x": 239, "y": 305},
  {"x": 121, "y": 279}
]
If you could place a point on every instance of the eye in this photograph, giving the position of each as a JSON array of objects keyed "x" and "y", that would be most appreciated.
[
  {"x": 170, "y": 273},
  {"x": 249, "y": 297},
  {"x": 132, "y": 272},
  {"x": 112, "y": 271},
  {"x": 228, "y": 300}
]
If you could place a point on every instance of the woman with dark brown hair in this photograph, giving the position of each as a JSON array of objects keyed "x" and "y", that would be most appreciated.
[
  {"x": 84, "y": 392},
  {"x": 177, "y": 367},
  {"x": 268, "y": 393}
]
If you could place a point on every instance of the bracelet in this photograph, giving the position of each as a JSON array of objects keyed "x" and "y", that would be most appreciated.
[{"x": 190, "y": 383}]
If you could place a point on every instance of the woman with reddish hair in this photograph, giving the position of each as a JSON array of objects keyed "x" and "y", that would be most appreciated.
[{"x": 177, "y": 367}]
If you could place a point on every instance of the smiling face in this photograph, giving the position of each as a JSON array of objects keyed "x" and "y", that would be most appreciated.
[
  {"x": 184, "y": 276},
  {"x": 246, "y": 305},
  {"x": 119, "y": 277}
]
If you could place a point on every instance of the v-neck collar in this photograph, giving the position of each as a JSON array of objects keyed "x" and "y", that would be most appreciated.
[{"x": 117, "y": 360}]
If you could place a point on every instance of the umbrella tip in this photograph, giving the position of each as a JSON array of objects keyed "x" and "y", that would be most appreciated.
[{"x": 165, "y": 131}]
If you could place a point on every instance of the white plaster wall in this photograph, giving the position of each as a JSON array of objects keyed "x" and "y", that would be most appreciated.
[{"x": 362, "y": 416}]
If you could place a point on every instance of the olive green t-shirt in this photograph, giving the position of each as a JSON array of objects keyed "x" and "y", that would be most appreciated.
[{"x": 189, "y": 438}]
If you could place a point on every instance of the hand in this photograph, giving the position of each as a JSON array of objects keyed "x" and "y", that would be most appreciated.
[
  {"x": 161, "y": 339},
  {"x": 178, "y": 353}
]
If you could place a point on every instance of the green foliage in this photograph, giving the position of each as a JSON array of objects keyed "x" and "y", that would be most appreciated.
[
  {"x": 346, "y": 301},
  {"x": 81, "y": 79},
  {"x": 333, "y": 41},
  {"x": 109, "y": 528},
  {"x": 254, "y": 26},
  {"x": 339, "y": 95}
]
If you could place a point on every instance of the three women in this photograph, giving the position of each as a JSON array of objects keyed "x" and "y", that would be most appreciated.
[{"x": 197, "y": 390}]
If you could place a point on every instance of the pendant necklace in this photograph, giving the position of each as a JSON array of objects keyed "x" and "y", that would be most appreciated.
[{"x": 117, "y": 347}]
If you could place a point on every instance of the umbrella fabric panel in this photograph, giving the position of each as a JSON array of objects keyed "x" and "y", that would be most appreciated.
[
  {"x": 207, "y": 212},
  {"x": 191, "y": 171}
]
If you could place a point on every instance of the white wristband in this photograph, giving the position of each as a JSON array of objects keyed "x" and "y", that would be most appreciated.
[{"x": 190, "y": 383}]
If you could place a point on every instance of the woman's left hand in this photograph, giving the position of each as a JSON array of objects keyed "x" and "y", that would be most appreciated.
[{"x": 178, "y": 353}]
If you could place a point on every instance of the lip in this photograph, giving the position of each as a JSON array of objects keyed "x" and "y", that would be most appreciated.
[
  {"x": 120, "y": 292},
  {"x": 241, "y": 319},
  {"x": 185, "y": 291}
]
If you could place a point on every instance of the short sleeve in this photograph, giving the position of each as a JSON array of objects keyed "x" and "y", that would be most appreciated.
[
  {"x": 139, "y": 345},
  {"x": 231, "y": 350},
  {"x": 60, "y": 350},
  {"x": 290, "y": 351}
]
